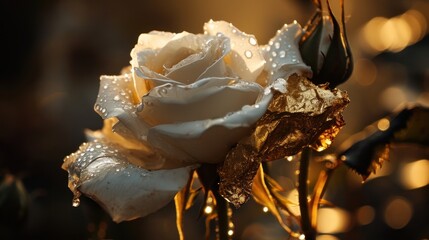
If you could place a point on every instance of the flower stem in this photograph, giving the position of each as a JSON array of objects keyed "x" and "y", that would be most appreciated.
[
  {"x": 223, "y": 218},
  {"x": 309, "y": 232}
]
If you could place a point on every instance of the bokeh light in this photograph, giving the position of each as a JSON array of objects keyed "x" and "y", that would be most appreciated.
[
  {"x": 326, "y": 237},
  {"x": 383, "y": 124},
  {"x": 398, "y": 212},
  {"x": 393, "y": 34},
  {"x": 415, "y": 174},
  {"x": 392, "y": 97},
  {"x": 332, "y": 220},
  {"x": 365, "y": 72},
  {"x": 365, "y": 215}
]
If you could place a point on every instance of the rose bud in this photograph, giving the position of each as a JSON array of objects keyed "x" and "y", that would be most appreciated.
[{"x": 324, "y": 47}]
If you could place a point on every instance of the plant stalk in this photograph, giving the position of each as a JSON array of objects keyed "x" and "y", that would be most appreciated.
[
  {"x": 223, "y": 219},
  {"x": 309, "y": 231}
]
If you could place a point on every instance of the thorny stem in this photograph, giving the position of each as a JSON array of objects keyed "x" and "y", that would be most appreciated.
[
  {"x": 308, "y": 230},
  {"x": 222, "y": 218}
]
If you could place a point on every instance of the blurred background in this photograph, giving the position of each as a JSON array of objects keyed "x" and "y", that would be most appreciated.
[{"x": 54, "y": 52}]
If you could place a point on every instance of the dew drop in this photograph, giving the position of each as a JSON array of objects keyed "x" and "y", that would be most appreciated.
[
  {"x": 163, "y": 91},
  {"x": 234, "y": 30},
  {"x": 282, "y": 54},
  {"x": 116, "y": 98},
  {"x": 105, "y": 86},
  {"x": 274, "y": 54},
  {"x": 252, "y": 41},
  {"x": 75, "y": 201},
  {"x": 274, "y": 65},
  {"x": 248, "y": 54},
  {"x": 277, "y": 45}
]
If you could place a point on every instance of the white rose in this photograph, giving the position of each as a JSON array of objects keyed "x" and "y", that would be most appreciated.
[{"x": 187, "y": 99}]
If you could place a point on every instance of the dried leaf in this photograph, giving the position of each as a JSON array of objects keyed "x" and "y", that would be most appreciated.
[
  {"x": 319, "y": 189},
  {"x": 283, "y": 202},
  {"x": 416, "y": 129},
  {"x": 408, "y": 126},
  {"x": 192, "y": 195},
  {"x": 300, "y": 114},
  {"x": 304, "y": 115},
  {"x": 237, "y": 173},
  {"x": 179, "y": 201},
  {"x": 262, "y": 195}
]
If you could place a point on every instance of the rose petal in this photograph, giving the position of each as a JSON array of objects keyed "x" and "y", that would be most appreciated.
[
  {"x": 178, "y": 48},
  {"x": 151, "y": 63},
  {"x": 143, "y": 154},
  {"x": 102, "y": 171},
  {"x": 202, "y": 63},
  {"x": 209, "y": 140},
  {"x": 283, "y": 56},
  {"x": 147, "y": 46},
  {"x": 118, "y": 98},
  {"x": 218, "y": 67},
  {"x": 206, "y": 99},
  {"x": 246, "y": 58}
]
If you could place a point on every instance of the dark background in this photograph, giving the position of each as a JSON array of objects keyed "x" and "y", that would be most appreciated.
[{"x": 53, "y": 53}]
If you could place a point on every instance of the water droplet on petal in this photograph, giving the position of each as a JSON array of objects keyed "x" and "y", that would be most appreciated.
[
  {"x": 282, "y": 54},
  {"x": 277, "y": 45},
  {"x": 252, "y": 41},
  {"x": 274, "y": 54},
  {"x": 248, "y": 53},
  {"x": 76, "y": 201},
  {"x": 116, "y": 98}
]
